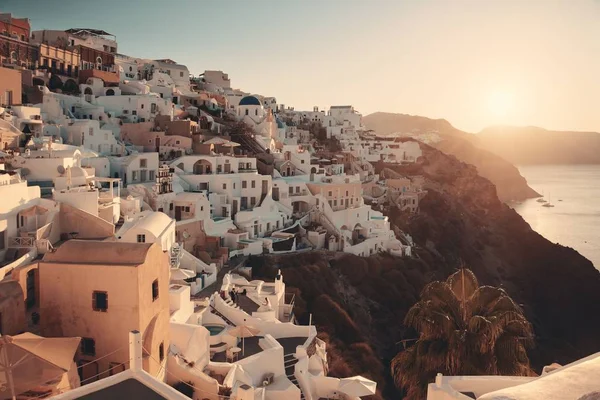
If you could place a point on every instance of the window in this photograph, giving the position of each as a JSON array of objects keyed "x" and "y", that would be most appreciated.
[
  {"x": 252, "y": 201},
  {"x": 291, "y": 190},
  {"x": 335, "y": 202},
  {"x": 125, "y": 111},
  {"x": 301, "y": 161},
  {"x": 186, "y": 209},
  {"x": 161, "y": 351},
  {"x": 297, "y": 189},
  {"x": 91, "y": 133},
  {"x": 106, "y": 136},
  {"x": 142, "y": 106},
  {"x": 177, "y": 142},
  {"x": 100, "y": 301},
  {"x": 244, "y": 184},
  {"x": 141, "y": 238},
  {"x": 134, "y": 176},
  {"x": 88, "y": 346},
  {"x": 253, "y": 184},
  {"x": 246, "y": 111},
  {"x": 224, "y": 186},
  {"x": 155, "y": 290},
  {"x": 234, "y": 185},
  {"x": 143, "y": 163},
  {"x": 346, "y": 193},
  {"x": 151, "y": 175},
  {"x": 171, "y": 207},
  {"x": 133, "y": 112},
  {"x": 181, "y": 74},
  {"x": 330, "y": 193}
]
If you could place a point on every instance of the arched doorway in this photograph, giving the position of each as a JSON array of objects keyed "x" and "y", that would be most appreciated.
[
  {"x": 110, "y": 92},
  {"x": 88, "y": 90},
  {"x": 71, "y": 87},
  {"x": 202, "y": 167},
  {"x": 55, "y": 83}
]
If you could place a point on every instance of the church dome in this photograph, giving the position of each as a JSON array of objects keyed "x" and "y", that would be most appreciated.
[{"x": 249, "y": 101}]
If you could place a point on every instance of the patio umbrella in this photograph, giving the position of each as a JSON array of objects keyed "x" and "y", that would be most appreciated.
[
  {"x": 35, "y": 210},
  {"x": 357, "y": 386},
  {"x": 28, "y": 360},
  {"x": 243, "y": 331}
]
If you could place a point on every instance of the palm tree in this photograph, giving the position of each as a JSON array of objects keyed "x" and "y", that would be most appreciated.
[{"x": 464, "y": 329}]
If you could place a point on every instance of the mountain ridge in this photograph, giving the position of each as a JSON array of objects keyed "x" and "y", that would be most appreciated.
[
  {"x": 529, "y": 145},
  {"x": 464, "y": 146}
]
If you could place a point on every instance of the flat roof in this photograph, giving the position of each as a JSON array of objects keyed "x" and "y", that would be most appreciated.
[{"x": 99, "y": 252}]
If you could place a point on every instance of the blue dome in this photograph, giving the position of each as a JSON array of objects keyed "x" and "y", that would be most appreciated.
[{"x": 249, "y": 101}]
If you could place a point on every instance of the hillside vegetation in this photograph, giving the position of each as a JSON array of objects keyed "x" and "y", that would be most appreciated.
[{"x": 359, "y": 304}]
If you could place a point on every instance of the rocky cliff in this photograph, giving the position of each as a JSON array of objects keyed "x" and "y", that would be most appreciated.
[
  {"x": 465, "y": 146},
  {"x": 359, "y": 303}
]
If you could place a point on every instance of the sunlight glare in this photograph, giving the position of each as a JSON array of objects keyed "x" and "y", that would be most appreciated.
[{"x": 500, "y": 103}]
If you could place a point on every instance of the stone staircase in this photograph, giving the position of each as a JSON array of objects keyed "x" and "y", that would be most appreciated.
[
  {"x": 289, "y": 363},
  {"x": 216, "y": 312}
]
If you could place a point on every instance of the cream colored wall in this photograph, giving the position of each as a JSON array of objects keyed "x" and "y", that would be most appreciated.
[
  {"x": 338, "y": 193},
  {"x": 12, "y": 308},
  {"x": 86, "y": 225},
  {"x": 66, "y": 305},
  {"x": 154, "y": 314}
]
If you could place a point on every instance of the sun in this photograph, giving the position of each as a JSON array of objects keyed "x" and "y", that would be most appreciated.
[{"x": 500, "y": 103}]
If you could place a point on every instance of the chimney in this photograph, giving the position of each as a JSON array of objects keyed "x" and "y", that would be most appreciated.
[{"x": 135, "y": 351}]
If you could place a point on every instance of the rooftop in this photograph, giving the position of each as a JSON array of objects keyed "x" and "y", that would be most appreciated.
[
  {"x": 131, "y": 389},
  {"x": 99, "y": 252}
]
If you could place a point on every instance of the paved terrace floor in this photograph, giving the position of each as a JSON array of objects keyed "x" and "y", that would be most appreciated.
[
  {"x": 251, "y": 347},
  {"x": 231, "y": 266}
]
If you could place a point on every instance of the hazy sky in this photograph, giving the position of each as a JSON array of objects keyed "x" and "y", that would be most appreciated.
[{"x": 475, "y": 63}]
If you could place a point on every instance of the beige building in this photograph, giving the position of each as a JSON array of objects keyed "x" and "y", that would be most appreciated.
[
  {"x": 60, "y": 61},
  {"x": 339, "y": 195},
  {"x": 102, "y": 290},
  {"x": 10, "y": 87}
]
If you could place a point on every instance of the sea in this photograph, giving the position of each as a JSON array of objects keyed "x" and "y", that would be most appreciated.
[{"x": 574, "y": 221}]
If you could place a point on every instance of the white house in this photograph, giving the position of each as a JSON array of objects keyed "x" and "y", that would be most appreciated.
[
  {"x": 88, "y": 133},
  {"x": 148, "y": 227},
  {"x": 135, "y": 168}
]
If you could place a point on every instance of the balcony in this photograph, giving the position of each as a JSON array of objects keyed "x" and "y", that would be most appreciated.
[
  {"x": 19, "y": 242},
  {"x": 301, "y": 193}
]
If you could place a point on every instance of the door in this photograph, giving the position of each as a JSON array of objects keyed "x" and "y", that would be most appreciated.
[
  {"x": 234, "y": 208},
  {"x": 30, "y": 288},
  {"x": 265, "y": 187},
  {"x": 157, "y": 144},
  {"x": 227, "y": 168},
  {"x": 244, "y": 203},
  {"x": 276, "y": 193},
  {"x": 178, "y": 213}
]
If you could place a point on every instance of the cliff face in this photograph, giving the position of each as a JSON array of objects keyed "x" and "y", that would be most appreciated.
[
  {"x": 358, "y": 304},
  {"x": 532, "y": 145},
  {"x": 464, "y": 146}
]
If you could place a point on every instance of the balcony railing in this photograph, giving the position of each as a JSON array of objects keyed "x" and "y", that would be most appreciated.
[{"x": 22, "y": 242}]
